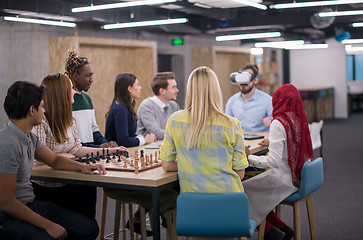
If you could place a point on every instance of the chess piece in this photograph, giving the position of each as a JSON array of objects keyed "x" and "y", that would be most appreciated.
[
  {"x": 113, "y": 156},
  {"x": 156, "y": 157},
  {"x": 142, "y": 162},
  {"x": 136, "y": 167},
  {"x": 125, "y": 164},
  {"x": 141, "y": 153},
  {"x": 136, "y": 155},
  {"x": 147, "y": 160},
  {"x": 132, "y": 163},
  {"x": 103, "y": 154},
  {"x": 119, "y": 159},
  {"x": 117, "y": 153}
]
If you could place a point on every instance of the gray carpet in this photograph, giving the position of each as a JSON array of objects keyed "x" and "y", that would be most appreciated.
[{"x": 338, "y": 205}]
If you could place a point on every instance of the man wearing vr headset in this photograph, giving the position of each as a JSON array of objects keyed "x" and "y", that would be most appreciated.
[{"x": 252, "y": 107}]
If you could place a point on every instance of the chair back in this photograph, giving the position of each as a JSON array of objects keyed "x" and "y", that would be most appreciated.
[
  {"x": 312, "y": 178},
  {"x": 214, "y": 215}
]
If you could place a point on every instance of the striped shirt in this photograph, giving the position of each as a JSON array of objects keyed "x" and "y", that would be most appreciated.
[
  {"x": 210, "y": 168},
  {"x": 45, "y": 135}
]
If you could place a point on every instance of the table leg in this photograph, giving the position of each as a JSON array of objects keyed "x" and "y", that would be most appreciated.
[{"x": 156, "y": 213}]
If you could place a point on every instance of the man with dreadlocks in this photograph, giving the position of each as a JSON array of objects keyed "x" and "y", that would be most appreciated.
[{"x": 80, "y": 72}]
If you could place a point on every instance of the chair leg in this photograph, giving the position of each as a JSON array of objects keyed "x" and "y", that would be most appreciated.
[
  {"x": 116, "y": 226},
  {"x": 123, "y": 221},
  {"x": 261, "y": 230},
  {"x": 297, "y": 221},
  {"x": 131, "y": 222},
  {"x": 142, "y": 223},
  {"x": 103, "y": 215},
  {"x": 170, "y": 217},
  {"x": 310, "y": 210},
  {"x": 278, "y": 210}
]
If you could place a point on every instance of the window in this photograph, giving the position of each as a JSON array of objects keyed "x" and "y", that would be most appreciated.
[{"x": 355, "y": 67}]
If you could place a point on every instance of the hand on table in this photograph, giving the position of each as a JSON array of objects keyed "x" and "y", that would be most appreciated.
[
  {"x": 91, "y": 168},
  {"x": 110, "y": 144},
  {"x": 149, "y": 138},
  {"x": 265, "y": 142}
]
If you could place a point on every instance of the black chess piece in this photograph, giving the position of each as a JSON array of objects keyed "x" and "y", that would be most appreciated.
[
  {"x": 113, "y": 156},
  {"x": 80, "y": 159},
  {"x": 141, "y": 153},
  {"x": 103, "y": 153},
  {"x": 98, "y": 156},
  {"x": 117, "y": 153},
  {"x": 119, "y": 159}
]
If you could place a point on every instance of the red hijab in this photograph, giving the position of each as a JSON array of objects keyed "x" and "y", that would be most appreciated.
[{"x": 288, "y": 109}]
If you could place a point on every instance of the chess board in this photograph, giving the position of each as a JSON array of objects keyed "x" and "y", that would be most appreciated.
[{"x": 139, "y": 160}]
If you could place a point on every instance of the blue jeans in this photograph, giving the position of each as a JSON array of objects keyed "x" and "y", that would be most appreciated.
[{"x": 77, "y": 226}]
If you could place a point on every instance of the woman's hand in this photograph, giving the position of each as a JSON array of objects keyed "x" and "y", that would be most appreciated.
[
  {"x": 265, "y": 142},
  {"x": 149, "y": 138},
  {"x": 247, "y": 150}
]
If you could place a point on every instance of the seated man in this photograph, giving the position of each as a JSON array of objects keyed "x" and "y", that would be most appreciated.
[
  {"x": 21, "y": 216},
  {"x": 80, "y": 72},
  {"x": 153, "y": 112},
  {"x": 252, "y": 107}
]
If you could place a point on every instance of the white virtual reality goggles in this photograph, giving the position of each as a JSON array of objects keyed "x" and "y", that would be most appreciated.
[{"x": 241, "y": 77}]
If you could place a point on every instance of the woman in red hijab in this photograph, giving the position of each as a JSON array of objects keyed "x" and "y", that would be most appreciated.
[{"x": 289, "y": 148}]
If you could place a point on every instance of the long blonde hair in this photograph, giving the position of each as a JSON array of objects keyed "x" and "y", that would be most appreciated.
[
  {"x": 58, "y": 105},
  {"x": 203, "y": 101}
]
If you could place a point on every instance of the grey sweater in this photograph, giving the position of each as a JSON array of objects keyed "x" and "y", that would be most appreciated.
[{"x": 152, "y": 117}]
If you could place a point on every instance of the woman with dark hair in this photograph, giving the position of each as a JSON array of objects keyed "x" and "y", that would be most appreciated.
[
  {"x": 121, "y": 118},
  {"x": 290, "y": 147}
]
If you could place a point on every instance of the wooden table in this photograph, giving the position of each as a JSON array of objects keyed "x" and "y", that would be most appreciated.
[{"x": 153, "y": 180}]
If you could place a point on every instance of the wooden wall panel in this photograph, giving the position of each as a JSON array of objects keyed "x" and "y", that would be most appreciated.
[
  {"x": 109, "y": 57},
  {"x": 58, "y": 52}
]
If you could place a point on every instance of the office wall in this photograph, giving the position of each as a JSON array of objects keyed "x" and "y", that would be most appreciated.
[
  {"x": 24, "y": 51},
  {"x": 316, "y": 68}
]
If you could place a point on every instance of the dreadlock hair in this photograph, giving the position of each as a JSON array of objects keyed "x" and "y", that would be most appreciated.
[
  {"x": 122, "y": 94},
  {"x": 74, "y": 63}
]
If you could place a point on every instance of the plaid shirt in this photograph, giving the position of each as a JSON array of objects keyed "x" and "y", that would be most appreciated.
[
  {"x": 209, "y": 168},
  {"x": 45, "y": 135}
]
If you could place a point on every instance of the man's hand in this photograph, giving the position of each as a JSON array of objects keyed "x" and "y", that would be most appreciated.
[
  {"x": 110, "y": 144},
  {"x": 265, "y": 142},
  {"x": 90, "y": 168},
  {"x": 266, "y": 121},
  {"x": 56, "y": 231}
]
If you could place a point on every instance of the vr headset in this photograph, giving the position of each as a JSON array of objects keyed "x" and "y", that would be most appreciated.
[{"x": 241, "y": 77}]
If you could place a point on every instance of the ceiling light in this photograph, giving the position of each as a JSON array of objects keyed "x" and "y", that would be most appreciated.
[
  {"x": 248, "y": 36},
  {"x": 145, "y": 23},
  {"x": 358, "y": 24},
  {"x": 38, "y": 21},
  {"x": 120, "y": 5},
  {"x": 314, "y": 4},
  {"x": 307, "y": 46},
  {"x": 351, "y": 41},
  {"x": 342, "y": 13},
  {"x": 279, "y": 44},
  {"x": 252, "y": 4},
  {"x": 349, "y": 48},
  {"x": 256, "y": 51}
]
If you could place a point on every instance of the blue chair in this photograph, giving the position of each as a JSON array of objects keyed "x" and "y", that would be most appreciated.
[
  {"x": 214, "y": 215},
  {"x": 312, "y": 178}
]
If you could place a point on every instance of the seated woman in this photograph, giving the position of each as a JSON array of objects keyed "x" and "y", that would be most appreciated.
[
  {"x": 209, "y": 144},
  {"x": 121, "y": 127},
  {"x": 59, "y": 133},
  {"x": 290, "y": 147},
  {"x": 121, "y": 119}
]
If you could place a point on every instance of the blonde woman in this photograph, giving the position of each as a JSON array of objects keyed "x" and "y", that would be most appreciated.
[
  {"x": 58, "y": 132},
  {"x": 209, "y": 144}
]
